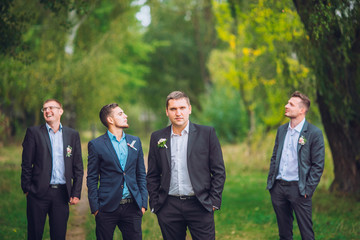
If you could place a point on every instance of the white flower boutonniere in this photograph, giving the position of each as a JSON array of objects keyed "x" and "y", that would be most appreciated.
[
  {"x": 68, "y": 151},
  {"x": 132, "y": 145},
  {"x": 162, "y": 143},
  {"x": 302, "y": 140}
]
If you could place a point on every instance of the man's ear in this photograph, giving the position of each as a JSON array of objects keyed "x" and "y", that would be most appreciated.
[{"x": 110, "y": 120}]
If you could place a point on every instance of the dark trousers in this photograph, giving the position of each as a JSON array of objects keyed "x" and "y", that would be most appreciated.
[
  {"x": 176, "y": 215},
  {"x": 286, "y": 199},
  {"x": 55, "y": 204},
  {"x": 128, "y": 219}
]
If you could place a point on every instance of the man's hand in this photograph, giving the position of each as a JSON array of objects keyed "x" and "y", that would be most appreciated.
[
  {"x": 74, "y": 200},
  {"x": 143, "y": 210},
  {"x": 95, "y": 213}
]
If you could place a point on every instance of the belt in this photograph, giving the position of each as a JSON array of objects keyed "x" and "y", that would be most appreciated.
[
  {"x": 286, "y": 183},
  {"x": 57, "y": 186},
  {"x": 126, "y": 200},
  {"x": 184, "y": 197}
]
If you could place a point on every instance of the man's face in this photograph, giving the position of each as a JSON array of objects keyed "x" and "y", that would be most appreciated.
[
  {"x": 118, "y": 118},
  {"x": 52, "y": 112},
  {"x": 294, "y": 108},
  {"x": 178, "y": 112}
]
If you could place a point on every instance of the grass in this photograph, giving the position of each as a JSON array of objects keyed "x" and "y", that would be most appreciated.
[{"x": 246, "y": 211}]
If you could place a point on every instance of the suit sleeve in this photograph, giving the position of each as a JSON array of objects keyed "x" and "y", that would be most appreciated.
[
  {"x": 141, "y": 176},
  {"x": 153, "y": 174},
  {"x": 78, "y": 169},
  {"x": 317, "y": 163},
  {"x": 28, "y": 157},
  {"x": 93, "y": 177},
  {"x": 272, "y": 162},
  {"x": 217, "y": 170}
]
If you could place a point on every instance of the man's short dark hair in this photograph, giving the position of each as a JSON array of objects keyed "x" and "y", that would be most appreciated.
[
  {"x": 304, "y": 99},
  {"x": 177, "y": 95},
  {"x": 52, "y": 100},
  {"x": 105, "y": 113}
]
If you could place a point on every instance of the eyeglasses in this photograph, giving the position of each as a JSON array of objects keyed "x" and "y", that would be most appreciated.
[{"x": 50, "y": 108}]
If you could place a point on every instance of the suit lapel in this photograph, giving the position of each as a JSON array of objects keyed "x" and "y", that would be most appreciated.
[
  {"x": 129, "y": 158},
  {"x": 66, "y": 143},
  {"x": 282, "y": 135},
  {"x": 168, "y": 144},
  {"x": 304, "y": 134},
  {"x": 191, "y": 139},
  {"x": 111, "y": 149},
  {"x": 45, "y": 134}
]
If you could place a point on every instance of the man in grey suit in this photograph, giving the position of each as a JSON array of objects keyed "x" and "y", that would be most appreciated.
[{"x": 296, "y": 167}]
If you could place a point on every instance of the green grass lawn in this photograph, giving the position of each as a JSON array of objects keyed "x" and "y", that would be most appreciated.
[{"x": 246, "y": 211}]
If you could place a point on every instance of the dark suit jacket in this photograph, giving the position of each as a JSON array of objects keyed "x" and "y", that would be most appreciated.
[
  {"x": 37, "y": 161},
  {"x": 205, "y": 165},
  {"x": 104, "y": 167},
  {"x": 310, "y": 158}
]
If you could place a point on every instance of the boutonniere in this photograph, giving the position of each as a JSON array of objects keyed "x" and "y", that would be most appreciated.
[
  {"x": 68, "y": 151},
  {"x": 302, "y": 140},
  {"x": 132, "y": 145},
  {"x": 162, "y": 143}
]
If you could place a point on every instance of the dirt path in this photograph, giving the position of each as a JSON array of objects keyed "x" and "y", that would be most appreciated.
[{"x": 80, "y": 211}]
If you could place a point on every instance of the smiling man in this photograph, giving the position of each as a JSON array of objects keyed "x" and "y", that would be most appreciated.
[
  {"x": 116, "y": 178},
  {"x": 52, "y": 172},
  {"x": 296, "y": 167},
  {"x": 186, "y": 174}
]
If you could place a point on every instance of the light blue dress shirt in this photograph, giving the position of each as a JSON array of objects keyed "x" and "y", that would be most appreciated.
[
  {"x": 289, "y": 166},
  {"x": 57, "y": 149},
  {"x": 121, "y": 150},
  {"x": 180, "y": 184}
]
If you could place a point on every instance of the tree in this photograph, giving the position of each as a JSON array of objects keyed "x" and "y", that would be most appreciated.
[
  {"x": 183, "y": 34},
  {"x": 265, "y": 67},
  {"x": 333, "y": 52}
]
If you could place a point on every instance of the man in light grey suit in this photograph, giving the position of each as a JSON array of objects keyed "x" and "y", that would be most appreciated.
[{"x": 296, "y": 167}]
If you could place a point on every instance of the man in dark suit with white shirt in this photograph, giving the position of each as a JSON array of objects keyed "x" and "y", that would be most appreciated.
[
  {"x": 52, "y": 172},
  {"x": 116, "y": 162},
  {"x": 296, "y": 167},
  {"x": 186, "y": 174}
]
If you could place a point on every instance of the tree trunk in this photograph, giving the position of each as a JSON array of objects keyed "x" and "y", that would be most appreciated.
[
  {"x": 334, "y": 55},
  {"x": 346, "y": 156}
]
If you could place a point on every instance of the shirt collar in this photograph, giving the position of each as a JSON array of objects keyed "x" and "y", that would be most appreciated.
[
  {"x": 184, "y": 131},
  {"x": 113, "y": 137},
  {"x": 298, "y": 127},
  {"x": 48, "y": 127}
]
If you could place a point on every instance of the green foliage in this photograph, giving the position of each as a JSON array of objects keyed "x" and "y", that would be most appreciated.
[
  {"x": 183, "y": 35},
  {"x": 107, "y": 64},
  {"x": 222, "y": 108},
  {"x": 262, "y": 63}
]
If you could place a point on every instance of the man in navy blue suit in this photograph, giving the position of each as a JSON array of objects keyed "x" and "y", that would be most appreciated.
[{"x": 116, "y": 161}]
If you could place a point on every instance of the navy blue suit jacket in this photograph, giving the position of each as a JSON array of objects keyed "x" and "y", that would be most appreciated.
[
  {"x": 104, "y": 167},
  {"x": 310, "y": 158}
]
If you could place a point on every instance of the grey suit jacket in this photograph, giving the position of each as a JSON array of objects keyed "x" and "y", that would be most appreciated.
[{"x": 310, "y": 158}]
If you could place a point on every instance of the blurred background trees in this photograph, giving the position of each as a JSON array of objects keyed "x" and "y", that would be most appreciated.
[{"x": 237, "y": 60}]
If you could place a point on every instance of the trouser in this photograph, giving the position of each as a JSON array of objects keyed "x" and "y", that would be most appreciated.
[
  {"x": 286, "y": 199},
  {"x": 55, "y": 204},
  {"x": 177, "y": 214}
]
